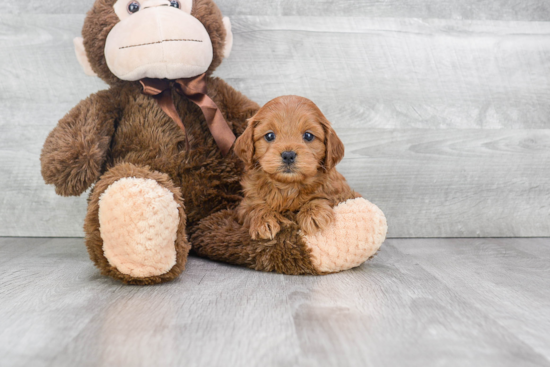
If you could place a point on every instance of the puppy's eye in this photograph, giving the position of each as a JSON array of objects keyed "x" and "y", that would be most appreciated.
[
  {"x": 309, "y": 136},
  {"x": 269, "y": 137},
  {"x": 175, "y": 4},
  {"x": 133, "y": 7}
]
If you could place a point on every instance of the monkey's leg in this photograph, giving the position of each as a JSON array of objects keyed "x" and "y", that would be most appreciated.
[
  {"x": 356, "y": 234},
  {"x": 135, "y": 226}
]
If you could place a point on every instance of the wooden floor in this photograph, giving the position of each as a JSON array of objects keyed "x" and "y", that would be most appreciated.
[{"x": 421, "y": 302}]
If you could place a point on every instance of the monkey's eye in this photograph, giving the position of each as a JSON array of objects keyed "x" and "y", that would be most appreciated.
[
  {"x": 175, "y": 3},
  {"x": 133, "y": 7},
  {"x": 269, "y": 137},
  {"x": 308, "y": 136}
]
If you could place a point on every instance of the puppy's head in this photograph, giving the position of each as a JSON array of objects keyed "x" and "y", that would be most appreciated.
[{"x": 291, "y": 140}]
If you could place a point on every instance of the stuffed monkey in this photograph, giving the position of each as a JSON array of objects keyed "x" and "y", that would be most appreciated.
[{"x": 157, "y": 149}]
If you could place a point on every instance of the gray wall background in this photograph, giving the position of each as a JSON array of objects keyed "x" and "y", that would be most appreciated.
[{"x": 444, "y": 106}]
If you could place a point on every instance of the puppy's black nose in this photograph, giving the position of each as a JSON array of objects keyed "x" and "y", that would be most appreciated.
[{"x": 289, "y": 157}]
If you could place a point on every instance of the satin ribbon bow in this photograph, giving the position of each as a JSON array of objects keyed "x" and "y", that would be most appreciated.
[{"x": 195, "y": 90}]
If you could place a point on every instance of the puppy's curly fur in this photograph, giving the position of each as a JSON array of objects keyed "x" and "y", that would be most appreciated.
[{"x": 306, "y": 183}]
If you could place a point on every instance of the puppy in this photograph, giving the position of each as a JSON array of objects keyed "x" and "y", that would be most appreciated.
[{"x": 290, "y": 151}]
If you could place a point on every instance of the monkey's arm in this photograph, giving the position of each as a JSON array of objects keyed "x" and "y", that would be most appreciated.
[
  {"x": 76, "y": 149},
  {"x": 236, "y": 107}
]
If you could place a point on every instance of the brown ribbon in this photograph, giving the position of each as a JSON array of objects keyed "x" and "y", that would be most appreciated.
[{"x": 195, "y": 90}]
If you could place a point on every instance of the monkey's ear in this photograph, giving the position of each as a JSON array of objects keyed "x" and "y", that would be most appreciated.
[
  {"x": 228, "y": 38},
  {"x": 244, "y": 146},
  {"x": 81, "y": 56}
]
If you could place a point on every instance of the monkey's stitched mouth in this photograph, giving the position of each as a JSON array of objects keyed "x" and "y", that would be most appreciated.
[{"x": 168, "y": 40}]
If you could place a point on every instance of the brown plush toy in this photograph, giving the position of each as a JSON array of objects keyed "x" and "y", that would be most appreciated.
[{"x": 157, "y": 148}]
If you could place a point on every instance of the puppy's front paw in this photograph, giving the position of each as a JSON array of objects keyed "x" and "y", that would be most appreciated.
[
  {"x": 264, "y": 228},
  {"x": 315, "y": 216}
]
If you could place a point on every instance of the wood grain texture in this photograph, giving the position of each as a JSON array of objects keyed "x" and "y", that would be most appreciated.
[
  {"x": 399, "y": 73},
  {"x": 417, "y": 303},
  {"x": 453, "y": 183},
  {"x": 526, "y": 10},
  {"x": 462, "y": 109},
  {"x": 483, "y": 269},
  {"x": 429, "y": 183},
  {"x": 388, "y": 73}
]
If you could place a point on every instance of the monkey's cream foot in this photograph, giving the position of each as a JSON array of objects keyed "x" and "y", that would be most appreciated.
[
  {"x": 135, "y": 227},
  {"x": 358, "y": 230},
  {"x": 138, "y": 221}
]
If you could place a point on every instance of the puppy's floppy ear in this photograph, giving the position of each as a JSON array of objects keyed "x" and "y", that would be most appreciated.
[
  {"x": 244, "y": 146},
  {"x": 333, "y": 145}
]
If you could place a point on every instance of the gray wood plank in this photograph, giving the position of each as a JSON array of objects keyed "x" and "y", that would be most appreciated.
[
  {"x": 214, "y": 317},
  {"x": 388, "y": 73},
  {"x": 453, "y": 183},
  {"x": 538, "y": 247},
  {"x": 527, "y": 10},
  {"x": 74, "y": 316},
  {"x": 393, "y": 310},
  {"x": 39, "y": 63},
  {"x": 27, "y": 206},
  {"x": 412, "y": 319},
  {"x": 7, "y": 245},
  {"x": 399, "y": 73},
  {"x": 43, "y": 82},
  {"x": 499, "y": 278},
  {"x": 429, "y": 183},
  {"x": 46, "y": 298},
  {"x": 469, "y": 88}
]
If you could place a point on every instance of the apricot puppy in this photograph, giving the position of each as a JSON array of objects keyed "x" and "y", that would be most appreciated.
[{"x": 290, "y": 151}]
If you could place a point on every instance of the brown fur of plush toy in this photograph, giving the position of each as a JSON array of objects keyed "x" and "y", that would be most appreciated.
[
  {"x": 121, "y": 134},
  {"x": 93, "y": 235},
  {"x": 118, "y": 128}
]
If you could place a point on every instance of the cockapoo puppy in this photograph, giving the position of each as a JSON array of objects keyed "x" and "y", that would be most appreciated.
[{"x": 290, "y": 151}]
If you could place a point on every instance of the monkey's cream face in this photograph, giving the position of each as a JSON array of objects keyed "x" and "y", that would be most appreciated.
[{"x": 157, "y": 39}]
